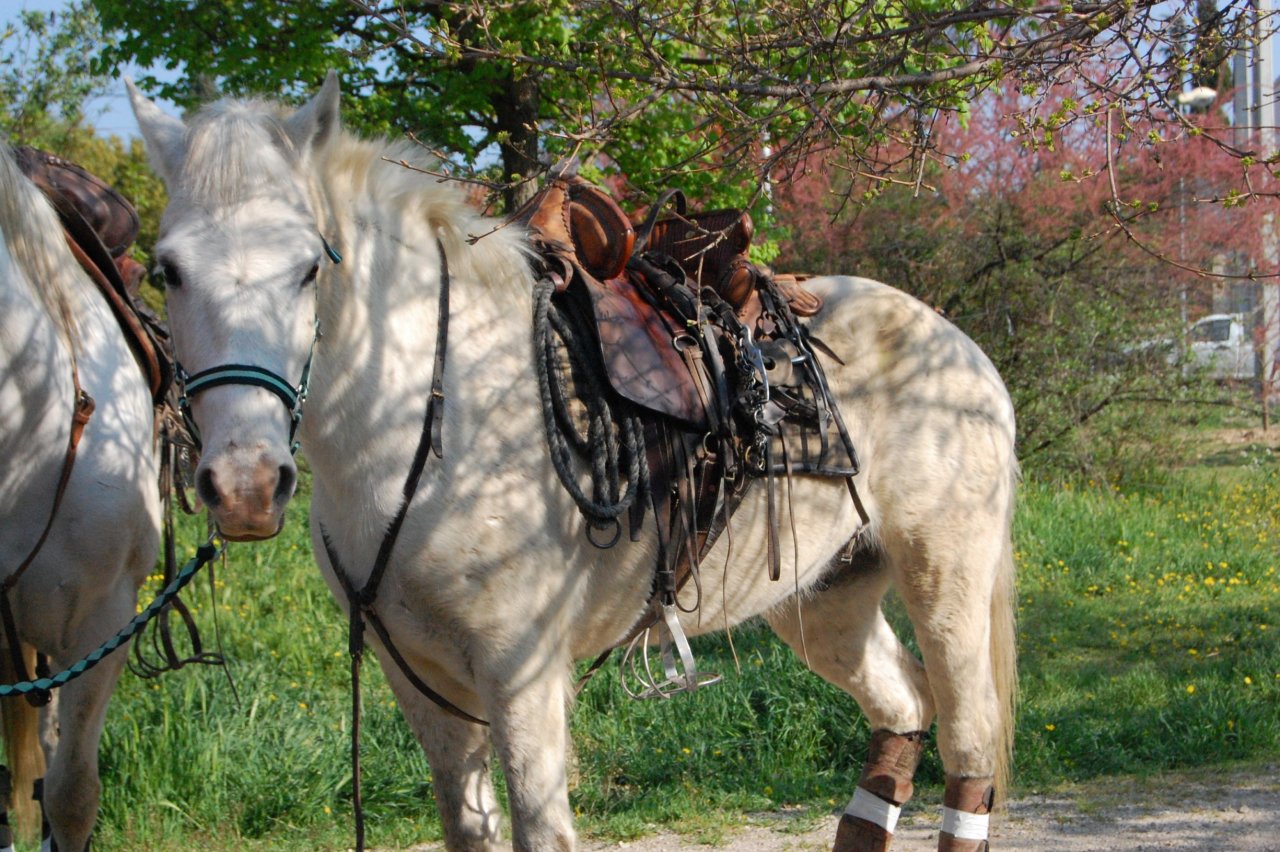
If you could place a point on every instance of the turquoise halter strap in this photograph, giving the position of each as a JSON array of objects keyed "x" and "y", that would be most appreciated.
[{"x": 248, "y": 374}]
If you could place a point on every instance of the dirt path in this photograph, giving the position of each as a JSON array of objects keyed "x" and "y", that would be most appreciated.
[
  {"x": 1217, "y": 812},
  {"x": 1226, "y": 813}
]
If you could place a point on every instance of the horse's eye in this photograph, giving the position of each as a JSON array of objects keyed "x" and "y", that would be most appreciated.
[
  {"x": 169, "y": 275},
  {"x": 311, "y": 276}
]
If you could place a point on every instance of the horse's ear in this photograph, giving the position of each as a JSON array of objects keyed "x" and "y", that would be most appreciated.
[
  {"x": 313, "y": 123},
  {"x": 163, "y": 134}
]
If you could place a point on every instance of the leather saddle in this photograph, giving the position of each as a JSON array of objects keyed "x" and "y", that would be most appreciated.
[
  {"x": 581, "y": 233},
  {"x": 100, "y": 227}
]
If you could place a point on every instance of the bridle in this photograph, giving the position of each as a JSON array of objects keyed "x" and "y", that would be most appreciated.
[{"x": 293, "y": 396}]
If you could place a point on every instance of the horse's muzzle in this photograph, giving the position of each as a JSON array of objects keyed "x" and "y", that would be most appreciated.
[{"x": 246, "y": 501}]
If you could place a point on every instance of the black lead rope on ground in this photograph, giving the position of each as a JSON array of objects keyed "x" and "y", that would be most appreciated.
[{"x": 205, "y": 554}]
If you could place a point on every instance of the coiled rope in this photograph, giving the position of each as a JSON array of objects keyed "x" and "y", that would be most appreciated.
[{"x": 614, "y": 443}]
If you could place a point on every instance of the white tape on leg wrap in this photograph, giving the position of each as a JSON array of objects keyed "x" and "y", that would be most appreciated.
[
  {"x": 963, "y": 825},
  {"x": 870, "y": 807}
]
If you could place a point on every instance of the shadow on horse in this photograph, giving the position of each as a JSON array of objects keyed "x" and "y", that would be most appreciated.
[{"x": 79, "y": 501}]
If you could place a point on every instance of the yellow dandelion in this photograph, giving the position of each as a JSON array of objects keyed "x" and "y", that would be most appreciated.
[{"x": 1191, "y": 689}]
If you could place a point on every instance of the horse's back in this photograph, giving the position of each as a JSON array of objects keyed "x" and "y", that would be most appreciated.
[{"x": 927, "y": 409}]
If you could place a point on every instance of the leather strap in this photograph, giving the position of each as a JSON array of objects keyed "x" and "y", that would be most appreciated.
[
  {"x": 97, "y": 262},
  {"x": 360, "y": 603},
  {"x": 80, "y": 414}
]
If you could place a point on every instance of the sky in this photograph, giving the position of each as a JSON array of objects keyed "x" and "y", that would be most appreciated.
[{"x": 110, "y": 113}]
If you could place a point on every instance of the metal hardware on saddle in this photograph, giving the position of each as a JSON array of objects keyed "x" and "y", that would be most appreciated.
[{"x": 677, "y": 676}]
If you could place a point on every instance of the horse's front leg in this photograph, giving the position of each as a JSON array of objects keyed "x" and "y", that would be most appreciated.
[
  {"x": 458, "y": 752},
  {"x": 528, "y": 717}
]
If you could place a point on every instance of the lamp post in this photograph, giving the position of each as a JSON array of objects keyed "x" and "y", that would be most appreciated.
[{"x": 1192, "y": 100}]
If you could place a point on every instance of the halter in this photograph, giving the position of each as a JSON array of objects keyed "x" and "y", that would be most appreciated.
[{"x": 293, "y": 396}]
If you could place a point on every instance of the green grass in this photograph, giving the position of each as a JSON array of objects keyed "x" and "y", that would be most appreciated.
[{"x": 1148, "y": 644}]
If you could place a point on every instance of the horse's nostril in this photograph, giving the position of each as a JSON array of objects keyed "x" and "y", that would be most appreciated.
[
  {"x": 207, "y": 488},
  {"x": 286, "y": 482}
]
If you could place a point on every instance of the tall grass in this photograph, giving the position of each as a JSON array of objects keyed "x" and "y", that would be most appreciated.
[{"x": 1148, "y": 642}]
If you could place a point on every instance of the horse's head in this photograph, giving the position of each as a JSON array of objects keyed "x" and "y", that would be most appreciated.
[{"x": 241, "y": 248}]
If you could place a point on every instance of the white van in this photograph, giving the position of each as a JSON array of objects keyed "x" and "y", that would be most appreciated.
[{"x": 1222, "y": 346}]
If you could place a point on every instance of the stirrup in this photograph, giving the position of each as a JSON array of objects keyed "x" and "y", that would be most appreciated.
[{"x": 636, "y": 664}]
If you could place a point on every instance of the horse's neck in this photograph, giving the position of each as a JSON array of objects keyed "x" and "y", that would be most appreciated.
[{"x": 373, "y": 372}]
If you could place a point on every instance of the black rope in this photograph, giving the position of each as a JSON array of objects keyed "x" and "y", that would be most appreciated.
[{"x": 614, "y": 444}]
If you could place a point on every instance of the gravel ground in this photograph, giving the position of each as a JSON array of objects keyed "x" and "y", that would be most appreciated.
[
  {"x": 1238, "y": 812},
  {"x": 1231, "y": 813}
]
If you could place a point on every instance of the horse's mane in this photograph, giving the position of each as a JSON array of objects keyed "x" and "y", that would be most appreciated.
[
  {"x": 226, "y": 161},
  {"x": 479, "y": 248},
  {"x": 227, "y": 143},
  {"x": 33, "y": 238}
]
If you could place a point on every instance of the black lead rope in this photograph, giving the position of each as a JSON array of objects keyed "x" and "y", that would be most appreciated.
[{"x": 360, "y": 603}]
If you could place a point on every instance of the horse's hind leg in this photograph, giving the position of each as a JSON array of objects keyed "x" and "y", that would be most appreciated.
[
  {"x": 459, "y": 754},
  {"x": 842, "y": 634},
  {"x": 957, "y": 584},
  {"x": 72, "y": 789}
]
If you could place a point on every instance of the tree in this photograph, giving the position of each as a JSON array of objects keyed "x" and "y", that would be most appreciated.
[
  {"x": 46, "y": 79},
  {"x": 45, "y": 73},
  {"x": 716, "y": 96},
  {"x": 1065, "y": 260}
]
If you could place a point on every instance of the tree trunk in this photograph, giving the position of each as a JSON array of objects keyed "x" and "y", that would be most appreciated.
[{"x": 516, "y": 108}]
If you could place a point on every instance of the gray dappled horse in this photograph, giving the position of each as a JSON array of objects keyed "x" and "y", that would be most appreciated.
[{"x": 491, "y": 591}]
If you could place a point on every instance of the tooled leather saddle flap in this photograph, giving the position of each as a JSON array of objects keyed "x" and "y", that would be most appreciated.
[{"x": 582, "y": 227}]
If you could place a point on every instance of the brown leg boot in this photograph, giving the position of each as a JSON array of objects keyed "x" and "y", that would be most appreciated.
[
  {"x": 885, "y": 785},
  {"x": 966, "y": 805}
]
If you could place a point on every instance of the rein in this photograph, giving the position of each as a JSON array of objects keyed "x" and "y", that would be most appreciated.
[
  {"x": 39, "y": 690},
  {"x": 360, "y": 603}
]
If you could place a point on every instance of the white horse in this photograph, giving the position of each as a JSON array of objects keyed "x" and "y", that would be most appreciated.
[
  {"x": 492, "y": 590},
  {"x": 57, "y": 331}
]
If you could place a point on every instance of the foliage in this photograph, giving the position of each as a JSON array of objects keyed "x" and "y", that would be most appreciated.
[
  {"x": 1072, "y": 262},
  {"x": 715, "y": 97},
  {"x": 46, "y": 79},
  {"x": 1146, "y": 621},
  {"x": 45, "y": 72}
]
